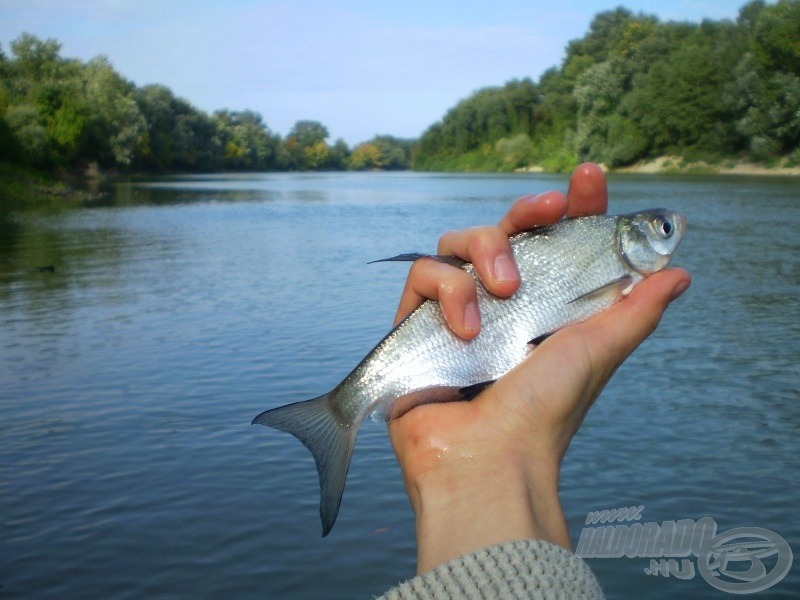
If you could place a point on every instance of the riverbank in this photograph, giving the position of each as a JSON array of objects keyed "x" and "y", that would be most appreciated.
[
  {"x": 23, "y": 184},
  {"x": 670, "y": 165},
  {"x": 676, "y": 164}
]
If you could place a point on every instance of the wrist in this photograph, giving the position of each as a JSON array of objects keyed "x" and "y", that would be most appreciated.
[{"x": 469, "y": 504}]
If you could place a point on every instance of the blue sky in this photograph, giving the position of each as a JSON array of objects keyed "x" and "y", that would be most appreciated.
[{"x": 360, "y": 67}]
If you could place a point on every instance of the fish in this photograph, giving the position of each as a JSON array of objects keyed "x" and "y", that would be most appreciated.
[{"x": 569, "y": 271}]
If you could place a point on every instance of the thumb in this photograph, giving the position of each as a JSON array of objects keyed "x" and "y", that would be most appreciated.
[{"x": 614, "y": 334}]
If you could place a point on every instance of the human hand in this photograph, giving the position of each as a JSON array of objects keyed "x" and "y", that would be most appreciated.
[{"x": 486, "y": 471}]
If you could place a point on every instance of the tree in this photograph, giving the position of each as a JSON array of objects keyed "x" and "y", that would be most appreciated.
[
  {"x": 365, "y": 157},
  {"x": 776, "y": 37},
  {"x": 598, "y": 94},
  {"x": 35, "y": 60},
  {"x": 479, "y": 121},
  {"x": 308, "y": 133},
  {"x": 28, "y": 135},
  {"x": 516, "y": 151},
  {"x": 767, "y": 106},
  {"x": 247, "y": 143},
  {"x": 117, "y": 127},
  {"x": 339, "y": 156},
  {"x": 305, "y": 146},
  {"x": 179, "y": 137}
]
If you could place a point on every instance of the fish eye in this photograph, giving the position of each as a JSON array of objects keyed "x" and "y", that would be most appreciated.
[{"x": 664, "y": 228}]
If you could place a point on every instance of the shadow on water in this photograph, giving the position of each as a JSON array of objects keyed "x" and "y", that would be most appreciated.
[{"x": 171, "y": 193}]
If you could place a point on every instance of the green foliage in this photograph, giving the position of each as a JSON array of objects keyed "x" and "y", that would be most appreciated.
[
  {"x": 516, "y": 151},
  {"x": 29, "y": 135},
  {"x": 116, "y": 126},
  {"x": 634, "y": 88},
  {"x": 178, "y": 137},
  {"x": 776, "y": 36},
  {"x": 366, "y": 157},
  {"x": 61, "y": 114},
  {"x": 382, "y": 152},
  {"x": 485, "y": 118},
  {"x": 246, "y": 142},
  {"x": 305, "y": 148},
  {"x": 631, "y": 89}
]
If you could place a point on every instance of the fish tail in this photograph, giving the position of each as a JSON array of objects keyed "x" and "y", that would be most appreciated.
[{"x": 330, "y": 442}]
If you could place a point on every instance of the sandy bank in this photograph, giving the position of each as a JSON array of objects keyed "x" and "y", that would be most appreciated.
[
  {"x": 665, "y": 165},
  {"x": 675, "y": 164}
]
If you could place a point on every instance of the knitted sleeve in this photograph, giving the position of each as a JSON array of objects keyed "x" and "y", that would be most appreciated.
[{"x": 522, "y": 569}]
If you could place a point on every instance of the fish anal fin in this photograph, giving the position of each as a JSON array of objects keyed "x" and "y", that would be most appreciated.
[
  {"x": 430, "y": 395},
  {"x": 330, "y": 442},
  {"x": 540, "y": 338},
  {"x": 614, "y": 288},
  {"x": 413, "y": 256}
]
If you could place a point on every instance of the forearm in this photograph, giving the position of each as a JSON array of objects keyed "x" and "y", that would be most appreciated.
[{"x": 473, "y": 506}]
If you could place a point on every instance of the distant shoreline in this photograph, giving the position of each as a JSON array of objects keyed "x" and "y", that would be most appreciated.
[
  {"x": 676, "y": 164},
  {"x": 670, "y": 165}
]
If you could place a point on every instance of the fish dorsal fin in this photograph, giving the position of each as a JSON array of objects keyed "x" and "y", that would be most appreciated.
[
  {"x": 613, "y": 288},
  {"x": 412, "y": 256}
]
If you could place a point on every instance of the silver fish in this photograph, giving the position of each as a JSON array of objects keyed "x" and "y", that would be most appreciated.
[{"x": 570, "y": 271}]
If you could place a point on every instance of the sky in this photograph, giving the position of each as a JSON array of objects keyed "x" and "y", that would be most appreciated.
[{"x": 360, "y": 67}]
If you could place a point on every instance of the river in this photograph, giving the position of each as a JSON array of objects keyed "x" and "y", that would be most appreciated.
[{"x": 179, "y": 308}]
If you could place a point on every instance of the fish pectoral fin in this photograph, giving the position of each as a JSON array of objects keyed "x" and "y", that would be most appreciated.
[
  {"x": 469, "y": 392},
  {"x": 614, "y": 288},
  {"x": 412, "y": 256},
  {"x": 330, "y": 442}
]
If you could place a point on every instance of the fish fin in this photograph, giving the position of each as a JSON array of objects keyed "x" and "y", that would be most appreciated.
[
  {"x": 412, "y": 256},
  {"x": 540, "y": 338},
  {"x": 615, "y": 287},
  {"x": 330, "y": 442},
  {"x": 469, "y": 392},
  {"x": 438, "y": 394}
]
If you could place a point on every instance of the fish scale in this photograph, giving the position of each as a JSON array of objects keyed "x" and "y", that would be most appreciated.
[{"x": 569, "y": 272}]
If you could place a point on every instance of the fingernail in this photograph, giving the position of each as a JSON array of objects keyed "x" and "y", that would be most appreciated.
[
  {"x": 505, "y": 269},
  {"x": 472, "y": 316},
  {"x": 679, "y": 289}
]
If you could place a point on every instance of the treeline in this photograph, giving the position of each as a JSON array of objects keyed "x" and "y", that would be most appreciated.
[
  {"x": 634, "y": 88},
  {"x": 65, "y": 114}
]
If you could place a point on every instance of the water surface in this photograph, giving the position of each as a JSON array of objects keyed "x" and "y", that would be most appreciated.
[{"x": 183, "y": 307}]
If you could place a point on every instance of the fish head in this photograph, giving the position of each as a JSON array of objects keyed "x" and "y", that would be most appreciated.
[{"x": 647, "y": 240}]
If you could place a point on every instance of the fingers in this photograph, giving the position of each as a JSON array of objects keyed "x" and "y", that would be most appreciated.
[
  {"x": 614, "y": 335},
  {"x": 588, "y": 191},
  {"x": 587, "y": 195},
  {"x": 453, "y": 288},
  {"x": 487, "y": 248},
  {"x": 532, "y": 211},
  {"x": 560, "y": 381},
  {"x": 489, "y": 251}
]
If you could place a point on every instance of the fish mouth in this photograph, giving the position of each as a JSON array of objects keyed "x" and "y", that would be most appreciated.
[{"x": 683, "y": 221}]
